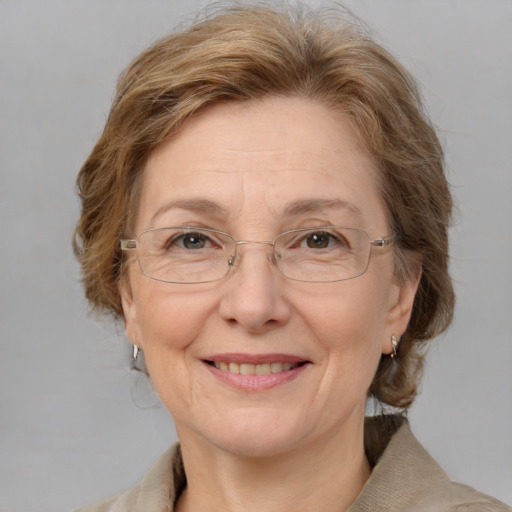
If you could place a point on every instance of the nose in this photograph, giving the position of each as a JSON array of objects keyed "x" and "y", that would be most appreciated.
[{"x": 253, "y": 292}]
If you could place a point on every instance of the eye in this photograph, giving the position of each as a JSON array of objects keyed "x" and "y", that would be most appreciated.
[
  {"x": 319, "y": 240},
  {"x": 190, "y": 241},
  {"x": 322, "y": 240}
]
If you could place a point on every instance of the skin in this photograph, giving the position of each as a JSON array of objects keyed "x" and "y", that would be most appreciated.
[{"x": 252, "y": 160}]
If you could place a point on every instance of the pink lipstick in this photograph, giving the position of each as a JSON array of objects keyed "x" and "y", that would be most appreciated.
[{"x": 255, "y": 372}]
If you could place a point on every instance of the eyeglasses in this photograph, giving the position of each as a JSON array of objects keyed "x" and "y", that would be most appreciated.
[{"x": 186, "y": 254}]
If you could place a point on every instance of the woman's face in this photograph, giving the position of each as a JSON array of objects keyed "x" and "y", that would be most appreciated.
[{"x": 256, "y": 170}]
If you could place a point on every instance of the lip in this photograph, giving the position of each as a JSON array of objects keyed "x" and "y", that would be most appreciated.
[
  {"x": 256, "y": 382},
  {"x": 255, "y": 358}
]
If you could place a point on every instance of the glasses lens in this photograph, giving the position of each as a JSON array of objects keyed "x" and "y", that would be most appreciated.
[
  {"x": 323, "y": 254},
  {"x": 184, "y": 255}
]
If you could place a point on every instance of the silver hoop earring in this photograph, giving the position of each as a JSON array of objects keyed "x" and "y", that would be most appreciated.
[
  {"x": 138, "y": 361},
  {"x": 394, "y": 343}
]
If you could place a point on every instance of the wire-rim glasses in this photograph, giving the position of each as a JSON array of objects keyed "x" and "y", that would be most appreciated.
[{"x": 192, "y": 255}]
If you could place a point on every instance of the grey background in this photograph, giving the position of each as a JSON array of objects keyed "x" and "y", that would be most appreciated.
[{"x": 75, "y": 424}]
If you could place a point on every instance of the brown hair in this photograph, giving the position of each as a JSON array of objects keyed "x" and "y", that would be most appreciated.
[{"x": 244, "y": 53}]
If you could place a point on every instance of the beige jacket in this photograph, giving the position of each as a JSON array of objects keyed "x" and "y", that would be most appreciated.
[{"x": 404, "y": 479}]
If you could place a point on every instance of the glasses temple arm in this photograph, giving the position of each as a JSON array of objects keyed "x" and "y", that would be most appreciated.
[
  {"x": 383, "y": 242},
  {"x": 126, "y": 245}
]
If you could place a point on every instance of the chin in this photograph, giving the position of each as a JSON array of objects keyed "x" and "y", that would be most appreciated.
[
  {"x": 257, "y": 446},
  {"x": 255, "y": 435}
]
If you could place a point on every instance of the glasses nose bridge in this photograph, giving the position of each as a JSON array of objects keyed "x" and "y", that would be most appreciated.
[
  {"x": 236, "y": 256},
  {"x": 258, "y": 242}
]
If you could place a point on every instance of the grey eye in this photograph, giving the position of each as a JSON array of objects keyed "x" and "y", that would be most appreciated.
[
  {"x": 190, "y": 241},
  {"x": 194, "y": 241}
]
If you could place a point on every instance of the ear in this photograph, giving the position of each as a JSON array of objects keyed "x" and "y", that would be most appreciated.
[
  {"x": 402, "y": 300},
  {"x": 129, "y": 312}
]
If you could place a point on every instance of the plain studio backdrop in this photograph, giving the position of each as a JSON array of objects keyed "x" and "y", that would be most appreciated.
[{"x": 75, "y": 424}]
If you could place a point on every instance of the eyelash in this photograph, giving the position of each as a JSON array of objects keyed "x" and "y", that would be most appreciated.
[{"x": 179, "y": 240}]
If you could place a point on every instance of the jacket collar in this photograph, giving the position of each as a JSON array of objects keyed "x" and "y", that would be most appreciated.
[{"x": 402, "y": 471}]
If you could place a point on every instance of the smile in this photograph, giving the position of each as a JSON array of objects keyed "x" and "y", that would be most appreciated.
[
  {"x": 256, "y": 372},
  {"x": 254, "y": 369}
]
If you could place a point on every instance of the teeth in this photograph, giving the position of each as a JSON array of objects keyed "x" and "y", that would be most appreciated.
[
  {"x": 255, "y": 369},
  {"x": 276, "y": 367},
  {"x": 262, "y": 369},
  {"x": 247, "y": 369}
]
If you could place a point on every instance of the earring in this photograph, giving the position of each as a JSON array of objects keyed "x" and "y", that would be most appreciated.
[
  {"x": 138, "y": 361},
  {"x": 394, "y": 343}
]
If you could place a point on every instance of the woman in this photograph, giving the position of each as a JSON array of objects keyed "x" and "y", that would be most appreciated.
[{"x": 267, "y": 211}]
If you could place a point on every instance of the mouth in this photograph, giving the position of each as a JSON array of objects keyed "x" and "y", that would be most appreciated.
[
  {"x": 254, "y": 369},
  {"x": 256, "y": 372}
]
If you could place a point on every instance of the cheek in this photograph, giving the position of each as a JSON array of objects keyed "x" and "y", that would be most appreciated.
[
  {"x": 169, "y": 320},
  {"x": 347, "y": 314},
  {"x": 348, "y": 323}
]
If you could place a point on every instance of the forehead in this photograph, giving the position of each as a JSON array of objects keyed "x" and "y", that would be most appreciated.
[{"x": 258, "y": 158}]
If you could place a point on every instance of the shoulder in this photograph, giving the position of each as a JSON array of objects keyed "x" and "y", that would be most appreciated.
[
  {"x": 107, "y": 505},
  {"x": 455, "y": 497},
  {"x": 156, "y": 492},
  {"x": 405, "y": 478}
]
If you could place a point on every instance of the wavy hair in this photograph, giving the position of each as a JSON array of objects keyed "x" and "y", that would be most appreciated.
[{"x": 242, "y": 53}]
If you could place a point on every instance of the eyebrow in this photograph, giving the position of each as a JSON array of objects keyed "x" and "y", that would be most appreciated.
[
  {"x": 303, "y": 206},
  {"x": 298, "y": 207},
  {"x": 196, "y": 205}
]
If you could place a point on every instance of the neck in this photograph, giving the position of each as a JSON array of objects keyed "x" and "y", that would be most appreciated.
[{"x": 326, "y": 475}]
